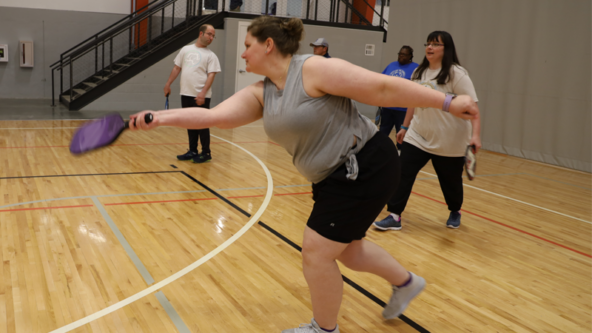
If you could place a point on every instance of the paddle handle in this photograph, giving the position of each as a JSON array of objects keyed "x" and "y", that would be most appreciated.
[{"x": 147, "y": 118}]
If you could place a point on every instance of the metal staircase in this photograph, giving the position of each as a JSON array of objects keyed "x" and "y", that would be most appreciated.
[{"x": 126, "y": 48}]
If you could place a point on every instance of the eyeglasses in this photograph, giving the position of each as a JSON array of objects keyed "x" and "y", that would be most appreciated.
[
  {"x": 404, "y": 54},
  {"x": 433, "y": 44}
]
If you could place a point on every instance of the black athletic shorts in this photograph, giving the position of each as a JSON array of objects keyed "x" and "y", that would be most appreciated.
[{"x": 344, "y": 209}]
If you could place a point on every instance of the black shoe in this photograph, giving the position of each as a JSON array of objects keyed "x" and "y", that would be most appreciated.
[
  {"x": 453, "y": 220},
  {"x": 187, "y": 156},
  {"x": 202, "y": 158}
]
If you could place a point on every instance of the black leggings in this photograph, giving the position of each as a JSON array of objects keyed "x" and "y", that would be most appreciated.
[
  {"x": 200, "y": 134},
  {"x": 448, "y": 169}
]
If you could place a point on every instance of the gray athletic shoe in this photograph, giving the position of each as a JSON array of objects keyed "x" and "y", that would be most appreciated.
[
  {"x": 402, "y": 296},
  {"x": 389, "y": 223},
  {"x": 313, "y": 327}
]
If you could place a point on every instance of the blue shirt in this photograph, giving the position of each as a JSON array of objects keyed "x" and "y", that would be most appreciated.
[
  {"x": 327, "y": 55},
  {"x": 404, "y": 71}
]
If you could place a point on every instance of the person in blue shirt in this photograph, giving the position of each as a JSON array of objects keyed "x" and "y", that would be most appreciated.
[
  {"x": 321, "y": 47},
  {"x": 403, "y": 67}
]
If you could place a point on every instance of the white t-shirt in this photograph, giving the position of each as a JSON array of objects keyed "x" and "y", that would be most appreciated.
[
  {"x": 438, "y": 132},
  {"x": 196, "y": 63}
]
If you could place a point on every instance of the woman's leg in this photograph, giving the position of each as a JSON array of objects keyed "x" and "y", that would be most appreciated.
[
  {"x": 449, "y": 171},
  {"x": 365, "y": 256},
  {"x": 323, "y": 276},
  {"x": 412, "y": 160}
]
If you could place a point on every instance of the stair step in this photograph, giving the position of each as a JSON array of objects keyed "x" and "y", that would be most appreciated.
[
  {"x": 100, "y": 77},
  {"x": 112, "y": 71},
  {"x": 79, "y": 91},
  {"x": 66, "y": 97},
  {"x": 117, "y": 64},
  {"x": 90, "y": 84}
]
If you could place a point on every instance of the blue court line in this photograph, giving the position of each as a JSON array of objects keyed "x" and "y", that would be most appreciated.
[
  {"x": 170, "y": 310},
  {"x": 490, "y": 175},
  {"x": 126, "y": 246},
  {"x": 164, "y": 302},
  {"x": 98, "y": 196},
  {"x": 558, "y": 181},
  {"x": 138, "y": 194}
]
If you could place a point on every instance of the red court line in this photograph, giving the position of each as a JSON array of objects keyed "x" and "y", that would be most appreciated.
[
  {"x": 160, "y": 201},
  {"x": 301, "y": 193},
  {"x": 510, "y": 227},
  {"x": 41, "y": 208},
  {"x": 34, "y": 147},
  {"x": 141, "y": 144},
  {"x": 261, "y": 195}
]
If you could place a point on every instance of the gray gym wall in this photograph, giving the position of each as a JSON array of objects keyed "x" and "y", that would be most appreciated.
[
  {"x": 530, "y": 62},
  {"x": 52, "y": 32}
]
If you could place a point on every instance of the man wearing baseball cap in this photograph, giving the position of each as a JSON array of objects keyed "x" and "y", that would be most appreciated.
[{"x": 321, "y": 47}]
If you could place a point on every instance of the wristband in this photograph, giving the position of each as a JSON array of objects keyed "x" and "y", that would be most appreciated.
[
  {"x": 404, "y": 127},
  {"x": 447, "y": 101}
]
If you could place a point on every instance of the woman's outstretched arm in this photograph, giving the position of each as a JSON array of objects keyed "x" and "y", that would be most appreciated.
[{"x": 246, "y": 106}]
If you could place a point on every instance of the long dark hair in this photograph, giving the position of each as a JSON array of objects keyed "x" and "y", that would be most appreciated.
[{"x": 448, "y": 60}]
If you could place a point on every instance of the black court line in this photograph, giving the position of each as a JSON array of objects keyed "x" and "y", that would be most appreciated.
[
  {"x": 216, "y": 194},
  {"x": 91, "y": 174},
  {"x": 174, "y": 166},
  {"x": 356, "y": 286}
]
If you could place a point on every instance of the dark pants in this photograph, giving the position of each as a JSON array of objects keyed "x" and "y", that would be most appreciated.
[
  {"x": 448, "y": 169},
  {"x": 390, "y": 119},
  {"x": 200, "y": 134}
]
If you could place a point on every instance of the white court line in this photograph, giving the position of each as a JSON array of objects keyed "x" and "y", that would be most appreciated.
[
  {"x": 522, "y": 202},
  {"x": 187, "y": 269}
]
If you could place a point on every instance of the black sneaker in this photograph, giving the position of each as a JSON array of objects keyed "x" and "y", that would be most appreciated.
[
  {"x": 453, "y": 220},
  {"x": 189, "y": 155},
  {"x": 202, "y": 158}
]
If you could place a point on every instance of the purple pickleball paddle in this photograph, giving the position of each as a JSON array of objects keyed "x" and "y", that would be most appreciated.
[{"x": 99, "y": 133}]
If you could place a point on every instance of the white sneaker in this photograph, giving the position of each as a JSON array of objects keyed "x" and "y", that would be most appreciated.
[
  {"x": 402, "y": 296},
  {"x": 313, "y": 327}
]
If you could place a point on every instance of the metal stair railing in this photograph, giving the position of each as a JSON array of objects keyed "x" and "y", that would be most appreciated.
[{"x": 118, "y": 46}]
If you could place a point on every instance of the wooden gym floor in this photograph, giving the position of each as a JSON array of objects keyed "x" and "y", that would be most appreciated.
[{"x": 128, "y": 239}]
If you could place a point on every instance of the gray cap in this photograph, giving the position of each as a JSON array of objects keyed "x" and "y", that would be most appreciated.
[{"x": 320, "y": 42}]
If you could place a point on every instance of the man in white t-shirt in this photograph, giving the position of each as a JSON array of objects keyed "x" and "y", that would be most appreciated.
[{"x": 198, "y": 66}]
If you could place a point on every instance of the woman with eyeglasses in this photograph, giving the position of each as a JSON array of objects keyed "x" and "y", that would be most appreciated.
[
  {"x": 307, "y": 107},
  {"x": 438, "y": 136}
]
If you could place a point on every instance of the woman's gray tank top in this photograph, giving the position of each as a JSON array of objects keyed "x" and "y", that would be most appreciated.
[{"x": 317, "y": 132}]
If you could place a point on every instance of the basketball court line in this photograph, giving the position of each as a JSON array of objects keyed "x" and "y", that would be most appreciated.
[
  {"x": 558, "y": 181},
  {"x": 239, "y": 189},
  {"x": 254, "y": 196},
  {"x": 520, "y": 201},
  {"x": 124, "y": 243},
  {"x": 356, "y": 286},
  {"x": 184, "y": 271},
  {"x": 36, "y": 128},
  {"x": 138, "y": 144},
  {"x": 509, "y": 226},
  {"x": 164, "y": 302}
]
